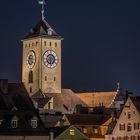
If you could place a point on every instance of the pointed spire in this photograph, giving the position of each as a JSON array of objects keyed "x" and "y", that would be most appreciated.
[{"x": 42, "y": 3}]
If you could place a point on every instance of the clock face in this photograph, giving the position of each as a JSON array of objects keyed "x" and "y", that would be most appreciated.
[
  {"x": 31, "y": 59},
  {"x": 50, "y": 59}
]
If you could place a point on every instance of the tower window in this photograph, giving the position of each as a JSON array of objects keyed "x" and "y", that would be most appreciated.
[
  {"x": 45, "y": 43},
  {"x": 54, "y": 78},
  {"x": 31, "y": 77},
  {"x": 30, "y": 89},
  {"x": 36, "y": 43},
  {"x": 50, "y": 43},
  {"x": 55, "y": 44},
  {"x": 33, "y": 44},
  {"x": 45, "y": 78}
]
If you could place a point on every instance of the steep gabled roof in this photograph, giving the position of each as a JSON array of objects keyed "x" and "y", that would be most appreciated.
[
  {"x": 42, "y": 101},
  {"x": 17, "y": 97},
  {"x": 42, "y": 29},
  {"x": 63, "y": 102},
  {"x": 136, "y": 102}
]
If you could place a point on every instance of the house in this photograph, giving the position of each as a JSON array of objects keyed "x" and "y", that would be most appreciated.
[
  {"x": 18, "y": 117},
  {"x": 68, "y": 133},
  {"x": 126, "y": 126},
  {"x": 94, "y": 126}
]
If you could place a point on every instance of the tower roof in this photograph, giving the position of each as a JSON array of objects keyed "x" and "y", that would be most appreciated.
[{"x": 42, "y": 29}]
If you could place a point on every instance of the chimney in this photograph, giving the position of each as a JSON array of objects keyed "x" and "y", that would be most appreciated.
[
  {"x": 4, "y": 85},
  {"x": 51, "y": 135}
]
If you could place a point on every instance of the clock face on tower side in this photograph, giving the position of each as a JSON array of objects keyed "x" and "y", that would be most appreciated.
[
  {"x": 31, "y": 58},
  {"x": 50, "y": 59}
]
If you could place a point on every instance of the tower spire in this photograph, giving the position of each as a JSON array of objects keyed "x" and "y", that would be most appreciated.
[{"x": 42, "y": 3}]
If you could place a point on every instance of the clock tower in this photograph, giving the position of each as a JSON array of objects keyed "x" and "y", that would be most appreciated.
[{"x": 41, "y": 61}]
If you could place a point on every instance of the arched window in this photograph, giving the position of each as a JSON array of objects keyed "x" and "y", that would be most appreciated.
[{"x": 31, "y": 77}]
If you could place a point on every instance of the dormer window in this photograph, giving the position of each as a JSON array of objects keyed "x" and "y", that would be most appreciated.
[
  {"x": 34, "y": 123},
  {"x": 72, "y": 133},
  {"x": 14, "y": 123},
  {"x": 50, "y": 31}
]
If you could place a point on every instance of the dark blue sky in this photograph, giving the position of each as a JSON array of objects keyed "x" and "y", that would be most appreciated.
[{"x": 101, "y": 41}]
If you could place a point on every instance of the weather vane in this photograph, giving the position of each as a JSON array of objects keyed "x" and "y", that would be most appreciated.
[{"x": 42, "y": 3}]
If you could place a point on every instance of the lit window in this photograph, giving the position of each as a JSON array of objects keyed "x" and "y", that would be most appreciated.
[
  {"x": 34, "y": 123},
  {"x": 14, "y": 123},
  {"x": 129, "y": 127},
  {"x": 95, "y": 131},
  {"x": 85, "y": 130},
  {"x": 72, "y": 132},
  {"x": 49, "y": 32}
]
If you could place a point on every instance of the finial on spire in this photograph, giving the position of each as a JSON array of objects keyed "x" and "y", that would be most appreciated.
[
  {"x": 42, "y": 3},
  {"x": 118, "y": 86}
]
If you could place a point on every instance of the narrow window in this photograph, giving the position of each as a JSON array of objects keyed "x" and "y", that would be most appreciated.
[
  {"x": 30, "y": 89},
  {"x": 54, "y": 78},
  {"x": 31, "y": 77},
  {"x": 14, "y": 123},
  {"x": 129, "y": 115},
  {"x": 50, "y": 43},
  {"x": 55, "y": 44},
  {"x": 34, "y": 123},
  {"x": 45, "y": 78},
  {"x": 45, "y": 43}
]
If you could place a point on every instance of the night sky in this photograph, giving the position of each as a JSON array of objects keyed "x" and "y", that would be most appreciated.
[{"x": 101, "y": 41}]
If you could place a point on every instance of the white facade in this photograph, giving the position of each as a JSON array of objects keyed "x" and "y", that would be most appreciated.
[{"x": 128, "y": 124}]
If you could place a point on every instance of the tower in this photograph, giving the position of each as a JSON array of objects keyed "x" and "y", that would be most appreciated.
[{"x": 41, "y": 61}]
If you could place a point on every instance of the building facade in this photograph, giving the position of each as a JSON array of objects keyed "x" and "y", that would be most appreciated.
[{"x": 127, "y": 124}]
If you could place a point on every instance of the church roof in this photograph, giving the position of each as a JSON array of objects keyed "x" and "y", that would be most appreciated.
[
  {"x": 95, "y": 99},
  {"x": 42, "y": 29},
  {"x": 63, "y": 102}
]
